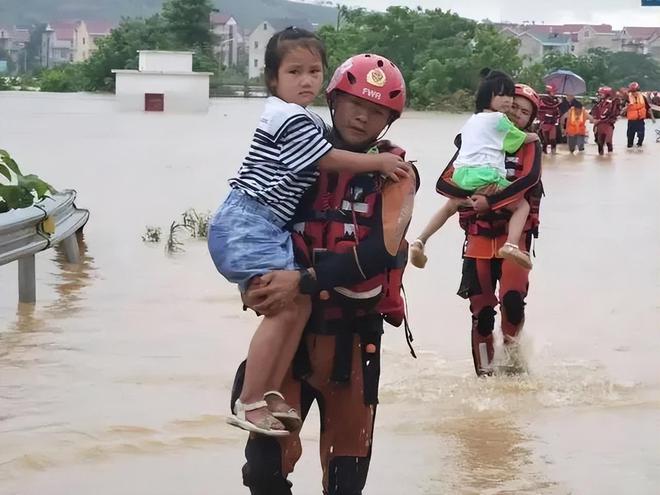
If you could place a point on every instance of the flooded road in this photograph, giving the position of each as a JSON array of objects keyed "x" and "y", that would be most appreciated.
[{"x": 117, "y": 380}]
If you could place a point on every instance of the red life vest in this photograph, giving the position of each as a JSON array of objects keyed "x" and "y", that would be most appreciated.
[
  {"x": 486, "y": 233},
  {"x": 549, "y": 111},
  {"x": 606, "y": 111},
  {"x": 346, "y": 208}
]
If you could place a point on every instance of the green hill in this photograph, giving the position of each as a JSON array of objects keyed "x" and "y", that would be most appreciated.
[{"x": 248, "y": 13}]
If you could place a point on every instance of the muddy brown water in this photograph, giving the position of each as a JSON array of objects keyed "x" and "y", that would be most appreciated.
[{"x": 117, "y": 379}]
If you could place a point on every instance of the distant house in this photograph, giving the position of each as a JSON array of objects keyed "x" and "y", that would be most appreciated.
[
  {"x": 228, "y": 38},
  {"x": 259, "y": 37},
  {"x": 5, "y": 38},
  {"x": 5, "y": 42},
  {"x": 71, "y": 41},
  {"x": 589, "y": 36},
  {"x": 653, "y": 46},
  {"x": 641, "y": 40},
  {"x": 57, "y": 43},
  {"x": 581, "y": 38},
  {"x": 13, "y": 42},
  {"x": 85, "y": 36},
  {"x": 534, "y": 45}
]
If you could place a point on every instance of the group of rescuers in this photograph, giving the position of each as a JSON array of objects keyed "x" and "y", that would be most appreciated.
[{"x": 313, "y": 233}]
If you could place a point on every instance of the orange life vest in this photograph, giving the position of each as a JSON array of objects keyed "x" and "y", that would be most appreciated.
[
  {"x": 576, "y": 122},
  {"x": 636, "y": 106}
]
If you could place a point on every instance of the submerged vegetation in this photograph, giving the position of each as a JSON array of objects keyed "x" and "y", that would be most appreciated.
[{"x": 192, "y": 223}]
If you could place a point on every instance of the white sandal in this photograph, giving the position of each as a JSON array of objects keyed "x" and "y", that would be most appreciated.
[
  {"x": 290, "y": 419},
  {"x": 265, "y": 427}
]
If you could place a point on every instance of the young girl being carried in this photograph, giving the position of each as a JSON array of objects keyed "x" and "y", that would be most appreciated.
[
  {"x": 480, "y": 165},
  {"x": 248, "y": 236}
]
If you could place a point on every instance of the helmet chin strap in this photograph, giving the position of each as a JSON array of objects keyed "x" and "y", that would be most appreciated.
[{"x": 385, "y": 130}]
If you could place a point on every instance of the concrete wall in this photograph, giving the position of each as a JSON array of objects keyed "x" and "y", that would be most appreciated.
[
  {"x": 161, "y": 61},
  {"x": 183, "y": 92}
]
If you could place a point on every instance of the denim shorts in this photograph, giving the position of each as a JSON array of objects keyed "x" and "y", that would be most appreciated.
[{"x": 247, "y": 239}]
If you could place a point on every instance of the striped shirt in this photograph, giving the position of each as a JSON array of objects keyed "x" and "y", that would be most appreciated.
[{"x": 281, "y": 164}]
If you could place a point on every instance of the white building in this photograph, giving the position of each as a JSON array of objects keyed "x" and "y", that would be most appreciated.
[
  {"x": 645, "y": 40},
  {"x": 71, "y": 41},
  {"x": 228, "y": 38},
  {"x": 164, "y": 81},
  {"x": 259, "y": 37},
  {"x": 57, "y": 43},
  {"x": 85, "y": 36}
]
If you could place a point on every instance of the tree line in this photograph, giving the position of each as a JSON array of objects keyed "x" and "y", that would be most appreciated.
[{"x": 439, "y": 53}]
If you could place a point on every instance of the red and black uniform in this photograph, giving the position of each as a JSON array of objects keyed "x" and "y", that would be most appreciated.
[
  {"x": 606, "y": 112},
  {"x": 484, "y": 236},
  {"x": 351, "y": 229},
  {"x": 549, "y": 115}
]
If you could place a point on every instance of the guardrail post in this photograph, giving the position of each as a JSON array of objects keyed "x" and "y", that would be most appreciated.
[
  {"x": 27, "y": 283},
  {"x": 71, "y": 250}
]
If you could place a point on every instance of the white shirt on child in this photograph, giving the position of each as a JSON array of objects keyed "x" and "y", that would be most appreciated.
[
  {"x": 486, "y": 138},
  {"x": 281, "y": 163}
]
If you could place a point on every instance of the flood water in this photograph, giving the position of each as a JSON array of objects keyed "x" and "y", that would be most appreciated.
[{"x": 117, "y": 380}]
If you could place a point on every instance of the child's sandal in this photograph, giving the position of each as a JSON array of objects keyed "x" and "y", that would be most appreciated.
[
  {"x": 267, "y": 426},
  {"x": 512, "y": 252},
  {"x": 417, "y": 256},
  {"x": 289, "y": 418}
]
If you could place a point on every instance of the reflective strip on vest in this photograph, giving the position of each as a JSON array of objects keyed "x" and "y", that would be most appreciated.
[
  {"x": 376, "y": 291},
  {"x": 356, "y": 207}
]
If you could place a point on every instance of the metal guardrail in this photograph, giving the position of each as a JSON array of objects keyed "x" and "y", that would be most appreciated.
[{"x": 26, "y": 231}]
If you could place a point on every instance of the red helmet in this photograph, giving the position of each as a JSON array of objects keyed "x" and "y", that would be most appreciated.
[
  {"x": 531, "y": 95},
  {"x": 633, "y": 86},
  {"x": 550, "y": 89},
  {"x": 605, "y": 91},
  {"x": 372, "y": 78}
]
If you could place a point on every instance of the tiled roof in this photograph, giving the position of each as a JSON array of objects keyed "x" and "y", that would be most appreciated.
[
  {"x": 219, "y": 19},
  {"x": 64, "y": 29},
  {"x": 640, "y": 33},
  {"x": 552, "y": 38},
  {"x": 599, "y": 28},
  {"x": 99, "y": 27},
  {"x": 559, "y": 28},
  {"x": 283, "y": 23}
]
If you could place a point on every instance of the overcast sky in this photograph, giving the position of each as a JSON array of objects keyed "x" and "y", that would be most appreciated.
[{"x": 615, "y": 12}]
